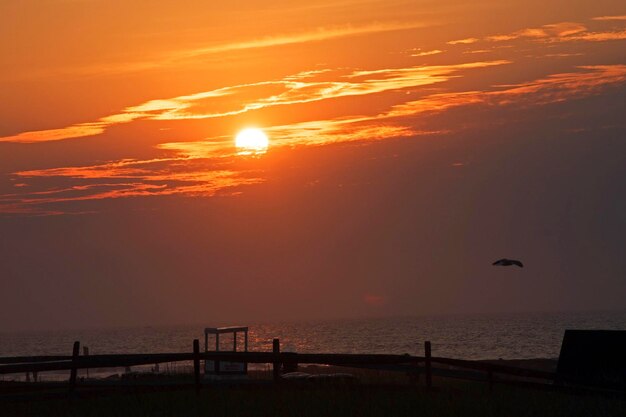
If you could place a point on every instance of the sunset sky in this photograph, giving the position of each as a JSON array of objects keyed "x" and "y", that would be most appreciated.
[{"x": 411, "y": 144}]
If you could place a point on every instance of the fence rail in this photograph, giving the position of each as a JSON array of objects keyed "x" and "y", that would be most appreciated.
[
  {"x": 124, "y": 360},
  {"x": 455, "y": 368},
  {"x": 496, "y": 368},
  {"x": 33, "y": 359}
]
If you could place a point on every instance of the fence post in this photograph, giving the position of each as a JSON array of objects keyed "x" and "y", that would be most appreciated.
[
  {"x": 86, "y": 353},
  {"x": 427, "y": 365},
  {"x": 196, "y": 364},
  {"x": 75, "y": 353},
  {"x": 414, "y": 375},
  {"x": 276, "y": 364}
]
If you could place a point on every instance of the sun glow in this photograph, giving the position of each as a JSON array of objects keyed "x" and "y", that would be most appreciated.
[{"x": 251, "y": 141}]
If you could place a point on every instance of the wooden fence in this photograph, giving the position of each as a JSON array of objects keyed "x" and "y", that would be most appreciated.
[{"x": 451, "y": 368}]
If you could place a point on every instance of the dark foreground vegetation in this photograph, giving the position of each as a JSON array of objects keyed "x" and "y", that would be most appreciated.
[{"x": 448, "y": 398}]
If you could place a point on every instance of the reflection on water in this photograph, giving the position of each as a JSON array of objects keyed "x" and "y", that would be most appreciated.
[{"x": 530, "y": 335}]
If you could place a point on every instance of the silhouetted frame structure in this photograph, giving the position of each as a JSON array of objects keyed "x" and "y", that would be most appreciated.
[
  {"x": 593, "y": 358},
  {"x": 223, "y": 367}
]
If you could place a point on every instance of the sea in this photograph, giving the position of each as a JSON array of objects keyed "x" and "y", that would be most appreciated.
[{"x": 468, "y": 336}]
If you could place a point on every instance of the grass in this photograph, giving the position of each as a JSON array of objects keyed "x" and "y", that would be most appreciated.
[{"x": 450, "y": 398}]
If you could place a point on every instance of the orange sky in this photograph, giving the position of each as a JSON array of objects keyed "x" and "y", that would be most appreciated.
[{"x": 390, "y": 125}]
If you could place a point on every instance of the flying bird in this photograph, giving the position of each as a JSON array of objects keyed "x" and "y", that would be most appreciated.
[{"x": 508, "y": 262}]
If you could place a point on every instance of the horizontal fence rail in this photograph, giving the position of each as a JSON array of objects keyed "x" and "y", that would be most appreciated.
[
  {"x": 124, "y": 360},
  {"x": 60, "y": 363},
  {"x": 495, "y": 368},
  {"x": 33, "y": 359}
]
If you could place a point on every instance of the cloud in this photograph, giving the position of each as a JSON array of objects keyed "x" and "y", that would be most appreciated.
[
  {"x": 419, "y": 52},
  {"x": 320, "y": 34},
  {"x": 176, "y": 57},
  {"x": 598, "y": 36},
  {"x": 289, "y": 91},
  {"x": 465, "y": 41},
  {"x": 200, "y": 168},
  {"x": 125, "y": 179},
  {"x": 563, "y": 29},
  {"x": 552, "y": 89},
  {"x": 478, "y": 51},
  {"x": 125, "y": 168},
  {"x": 204, "y": 167},
  {"x": 558, "y": 87},
  {"x": 605, "y": 18},
  {"x": 70, "y": 132},
  {"x": 562, "y": 32},
  {"x": 554, "y": 30},
  {"x": 563, "y": 55},
  {"x": 325, "y": 132},
  {"x": 294, "y": 89}
]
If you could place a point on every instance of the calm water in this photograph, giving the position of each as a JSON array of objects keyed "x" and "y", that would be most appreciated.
[{"x": 508, "y": 336}]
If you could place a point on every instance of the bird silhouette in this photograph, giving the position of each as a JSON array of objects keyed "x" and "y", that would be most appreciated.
[{"x": 508, "y": 262}]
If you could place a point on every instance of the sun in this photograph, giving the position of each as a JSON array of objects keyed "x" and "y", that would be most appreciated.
[{"x": 251, "y": 141}]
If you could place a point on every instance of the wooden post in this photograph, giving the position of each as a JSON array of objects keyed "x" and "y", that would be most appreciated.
[
  {"x": 276, "y": 364},
  {"x": 427, "y": 365},
  {"x": 414, "y": 375},
  {"x": 75, "y": 353},
  {"x": 245, "y": 348},
  {"x": 196, "y": 364},
  {"x": 490, "y": 378},
  {"x": 206, "y": 348},
  {"x": 217, "y": 349},
  {"x": 86, "y": 353}
]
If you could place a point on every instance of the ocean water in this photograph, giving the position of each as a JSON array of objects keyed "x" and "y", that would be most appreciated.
[{"x": 507, "y": 336}]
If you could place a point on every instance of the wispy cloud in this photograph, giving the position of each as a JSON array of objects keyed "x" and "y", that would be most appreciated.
[
  {"x": 552, "y": 89},
  {"x": 605, "y": 18},
  {"x": 304, "y": 87},
  {"x": 563, "y": 54},
  {"x": 598, "y": 36},
  {"x": 126, "y": 179},
  {"x": 478, "y": 51},
  {"x": 204, "y": 168},
  {"x": 558, "y": 30},
  {"x": 194, "y": 169},
  {"x": 419, "y": 52},
  {"x": 294, "y": 89},
  {"x": 174, "y": 58},
  {"x": 70, "y": 132},
  {"x": 320, "y": 34},
  {"x": 465, "y": 41}
]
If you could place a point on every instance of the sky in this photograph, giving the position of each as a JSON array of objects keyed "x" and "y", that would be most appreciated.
[{"x": 411, "y": 144}]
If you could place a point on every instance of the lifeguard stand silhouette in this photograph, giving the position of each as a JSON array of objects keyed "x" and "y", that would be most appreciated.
[{"x": 217, "y": 370}]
